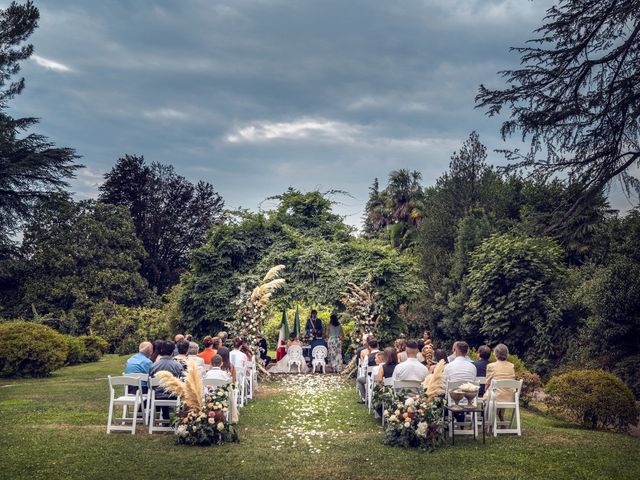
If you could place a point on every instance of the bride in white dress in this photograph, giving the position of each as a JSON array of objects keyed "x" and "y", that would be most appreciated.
[{"x": 283, "y": 365}]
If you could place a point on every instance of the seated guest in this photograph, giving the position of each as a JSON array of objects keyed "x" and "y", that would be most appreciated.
[
  {"x": 183, "y": 350},
  {"x": 484, "y": 352},
  {"x": 156, "y": 350},
  {"x": 237, "y": 357},
  {"x": 411, "y": 368},
  {"x": 460, "y": 369},
  {"x": 188, "y": 337},
  {"x": 177, "y": 339},
  {"x": 140, "y": 363},
  {"x": 216, "y": 371},
  {"x": 165, "y": 363},
  {"x": 227, "y": 366},
  {"x": 390, "y": 362},
  {"x": 223, "y": 336},
  {"x": 263, "y": 350},
  {"x": 192, "y": 355},
  {"x": 401, "y": 346},
  {"x": 427, "y": 355},
  {"x": 363, "y": 346},
  {"x": 452, "y": 357},
  {"x": 501, "y": 369},
  {"x": 439, "y": 355},
  {"x": 379, "y": 359},
  {"x": 372, "y": 348},
  {"x": 208, "y": 352},
  {"x": 247, "y": 350}
]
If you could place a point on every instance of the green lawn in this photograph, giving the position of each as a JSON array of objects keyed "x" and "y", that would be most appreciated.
[{"x": 55, "y": 428}]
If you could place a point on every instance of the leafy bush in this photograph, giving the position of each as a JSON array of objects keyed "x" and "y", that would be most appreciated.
[
  {"x": 30, "y": 349},
  {"x": 76, "y": 350},
  {"x": 124, "y": 327},
  {"x": 595, "y": 398},
  {"x": 530, "y": 383},
  {"x": 94, "y": 347},
  {"x": 628, "y": 370}
]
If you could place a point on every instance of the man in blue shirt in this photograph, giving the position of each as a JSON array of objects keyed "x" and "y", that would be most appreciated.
[{"x": 140, "y": 362}]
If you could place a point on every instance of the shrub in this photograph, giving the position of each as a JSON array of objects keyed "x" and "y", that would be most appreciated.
[
  {"x": 628, "y": 369},
  {"x": 595, "y": 398},
  {"x": 30, "y": 349},
  {"x": 76, "y": 350},
  {"x": 94, "y": 346},
  {"x": 530, "y": 383}
]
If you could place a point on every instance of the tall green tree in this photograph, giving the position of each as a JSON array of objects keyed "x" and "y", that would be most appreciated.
[
  {"x": 171, "y": 215},
  {"x": 575, "y": 97},
  {"x": 31, "y": 166},
  {"x": 78, "y": 254}
]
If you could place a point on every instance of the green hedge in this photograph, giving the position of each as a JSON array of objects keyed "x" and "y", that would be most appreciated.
[
  {"x": 595, "y": 398},
  {"x": 76, "y": 350},
  {"x": 30, "y": 349}
]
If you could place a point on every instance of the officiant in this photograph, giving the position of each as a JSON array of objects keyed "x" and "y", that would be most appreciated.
[{"x": 315, "y": 330}]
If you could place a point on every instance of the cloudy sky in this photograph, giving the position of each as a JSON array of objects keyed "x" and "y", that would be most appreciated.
[{"x": 256, "y": 96}]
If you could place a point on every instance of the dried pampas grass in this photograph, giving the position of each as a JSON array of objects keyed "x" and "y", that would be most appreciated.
[
  {"x": 273, "y": 273},
  {"x": 189, "y": 391}
]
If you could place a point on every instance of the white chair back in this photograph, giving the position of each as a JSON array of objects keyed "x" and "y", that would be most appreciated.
[
  {"x": 387, "y": 382},
  {"x": 215, "y": 382},
  {"x": 125, "y": 401},
  {"x": 319, "y": 353},
  {"x": 496, "y": 388},
  {"x": 411, "y": 385}
]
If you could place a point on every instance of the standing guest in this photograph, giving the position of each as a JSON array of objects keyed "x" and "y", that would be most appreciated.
[
  {"x": 227, "y": 366},
  {"x": 314, "y": 326},
  {"x": 460, "y": 369},
  {"x": 372, "y": 349},
  {"x": 165, "y": 363},
  {"x": 484, "y": 352},
  {"x": 411, "y": 368},
  {"x": 183, "y": 350},
  {"x": 140, "y": 363},
  {"x": 208, "y": 350},
  {"x": 216, "y": 372},
  {"x": 177, "y": 339},
  {"x": 335, "y": 336},
  {"x": 501, "y": 369},
  {"x": 439, "y": 355},
  {"x": 390, "y": 364},
  {"x": 263, "y": 350},
  {"x": 156, "y": 350},
  {"x": 361, "y": 348},
  {"x": 401, "y": 346},
  {"x": 237, "y": 357}
]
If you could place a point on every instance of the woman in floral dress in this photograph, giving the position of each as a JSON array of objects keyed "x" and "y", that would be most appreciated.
[{"x": 334, "y": 336}]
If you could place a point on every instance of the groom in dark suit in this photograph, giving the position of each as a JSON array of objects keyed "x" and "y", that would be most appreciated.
[{"x": 315, "y": 329}]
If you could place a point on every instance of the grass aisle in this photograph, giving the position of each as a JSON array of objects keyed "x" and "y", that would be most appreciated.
[{"x": 299, "y": 427}]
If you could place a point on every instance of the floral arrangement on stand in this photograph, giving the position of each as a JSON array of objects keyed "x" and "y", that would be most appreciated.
[
  {"x": 252, "y": 311},
  {"x": 361, "y": 305},
  {"x": 200, "y": 419},
  {"x": 417, "y": 421}
]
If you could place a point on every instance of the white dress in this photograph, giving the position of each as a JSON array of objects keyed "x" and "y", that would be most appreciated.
[{"x": 282, "y": 367}]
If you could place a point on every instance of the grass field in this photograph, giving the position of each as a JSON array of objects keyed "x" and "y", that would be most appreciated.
[{"x": 297, "y": 427}]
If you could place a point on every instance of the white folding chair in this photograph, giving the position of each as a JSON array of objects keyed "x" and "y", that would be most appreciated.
[
  {"x": 295, "y": 357},
  {"x": 414, "y": 386},
  {"x": 144, "y": 378},
  {"x": 369, "y": 387},
  {"x": 386, "y": 382},
  {"x": 218, "y": 382},
  {"x": 251, "y": 375},
  {"x": 467, "y": 426},
  {"x": 493, "y": 405},
  {"x": 124, "y": 400},
  {"x": 157, "y": 403},
  {"x": 318, "y": 355}
]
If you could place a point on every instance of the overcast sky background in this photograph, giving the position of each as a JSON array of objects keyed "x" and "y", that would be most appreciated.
[{"x": 257, "y": 96}]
